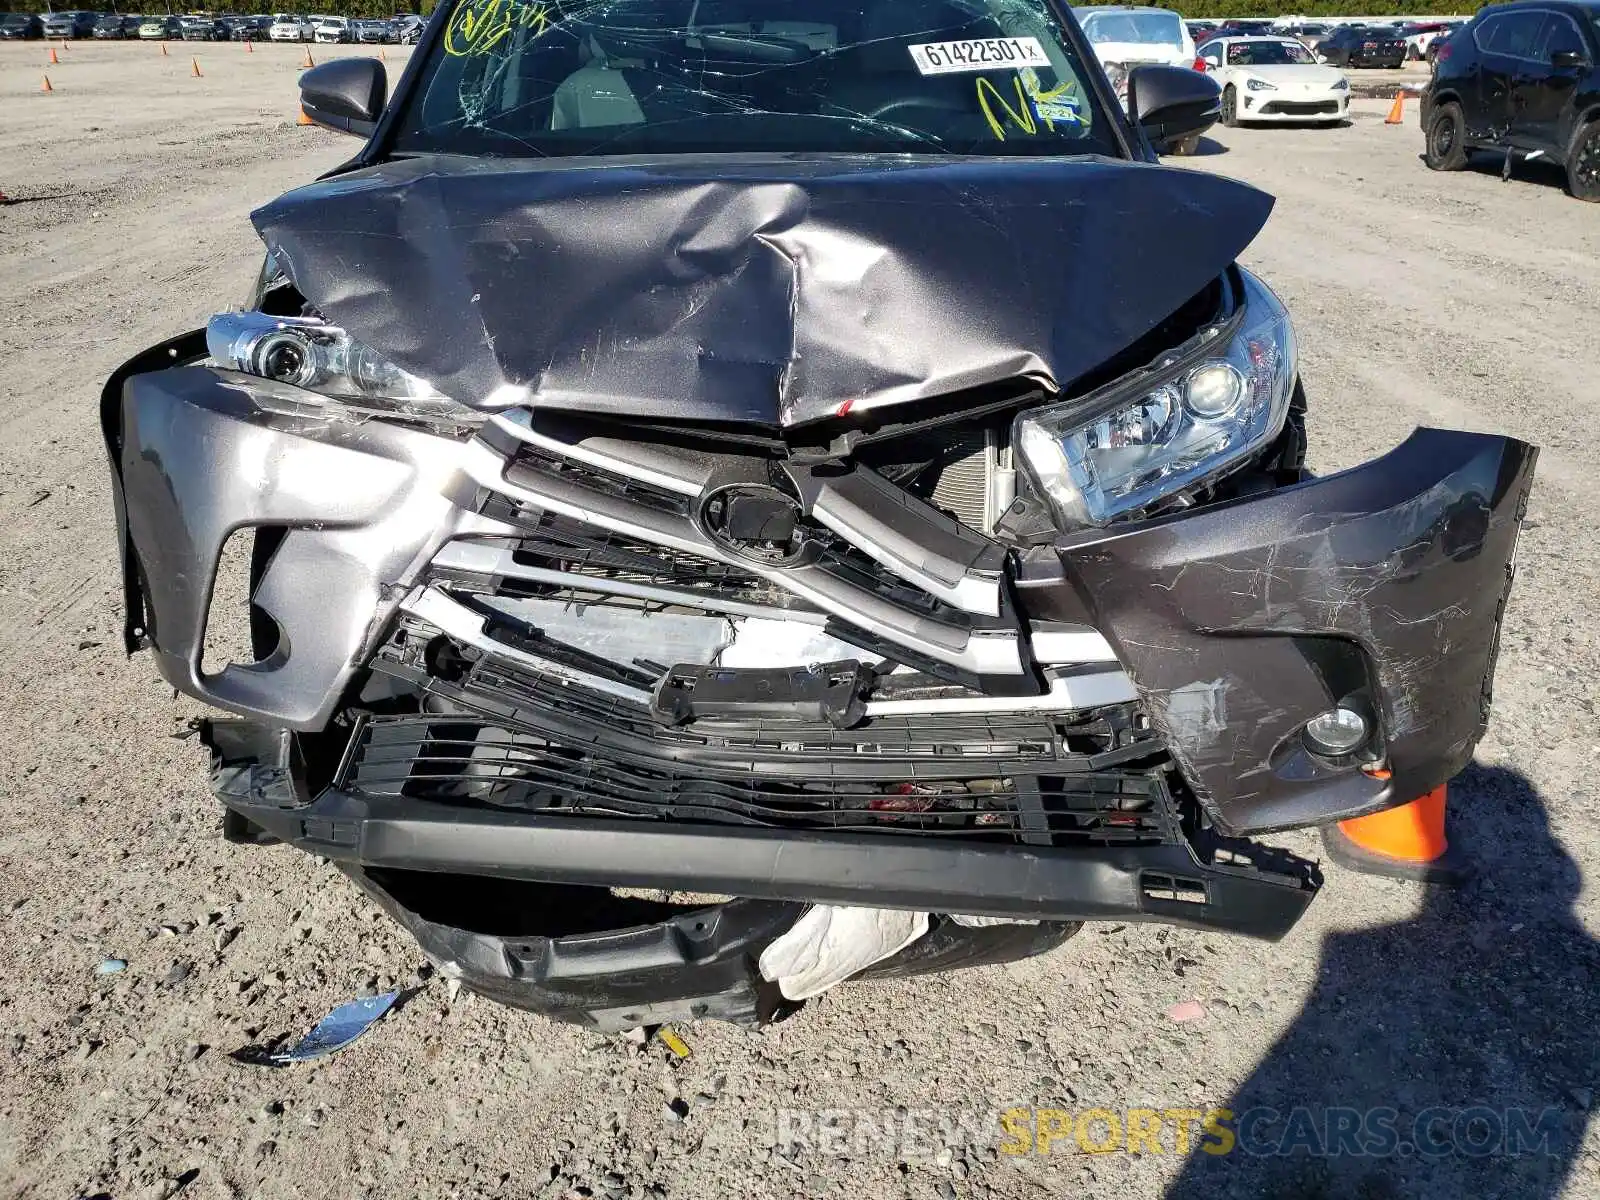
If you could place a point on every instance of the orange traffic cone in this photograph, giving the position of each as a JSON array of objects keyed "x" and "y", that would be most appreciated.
[
  {"x": 1407, "y": 842},
  {"x": 54, "y": 61},
  {"x": 45, "y": 86},
  {"x": 1397, "y": 110},
  {"x": 194, "y": 68},
  {"x": 308, "y": 62},
  {"x": 304, "y": 120}
]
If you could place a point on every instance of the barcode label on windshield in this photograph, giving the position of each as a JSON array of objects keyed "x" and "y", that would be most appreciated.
[{"x": 981, "y": 54}]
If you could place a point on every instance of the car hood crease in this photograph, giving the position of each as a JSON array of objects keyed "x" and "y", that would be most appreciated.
[{"x": 771, "y": 289}]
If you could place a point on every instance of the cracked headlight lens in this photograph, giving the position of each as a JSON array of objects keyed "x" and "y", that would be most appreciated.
[
  {"x": 311, "y": 354},
  {"x": 1200, "y": 421}
]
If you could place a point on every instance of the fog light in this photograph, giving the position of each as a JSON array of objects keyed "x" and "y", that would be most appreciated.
[{"x": 1337, "y": 732}]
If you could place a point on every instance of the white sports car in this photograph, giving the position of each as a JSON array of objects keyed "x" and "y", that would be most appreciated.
[{"x": 1274, "y": 79}]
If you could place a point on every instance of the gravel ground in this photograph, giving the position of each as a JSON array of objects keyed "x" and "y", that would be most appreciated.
[{"x": 1420, "y": 299}]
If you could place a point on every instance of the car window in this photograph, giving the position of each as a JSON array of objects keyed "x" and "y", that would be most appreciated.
[
  {"x": 517, "y": 77},
  {"x": 1558, "y": 36},
  {"x": 1210, "y": 50},
  {"x": 1268, "y": 54},
  {"x": 1143, "y": 28},
  {"x": 1512, "y": 34}
]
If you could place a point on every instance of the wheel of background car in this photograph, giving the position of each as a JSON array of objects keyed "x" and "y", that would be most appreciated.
[
  {"x": 1230, "y": 107},
  {"x": 1583, "y": 163},
  {"x": 1445, "y": 147}
]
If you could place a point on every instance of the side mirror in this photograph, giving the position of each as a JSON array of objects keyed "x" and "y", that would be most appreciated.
[
  {"x": 1171, "y": 103},
  {"x": 347, "y": 94},
  {"x": 1566, "y": 59},
  {"x": 1212, "y": 61}
]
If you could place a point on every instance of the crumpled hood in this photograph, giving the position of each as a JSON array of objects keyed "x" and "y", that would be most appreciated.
[{"x": 767, "y": 289}]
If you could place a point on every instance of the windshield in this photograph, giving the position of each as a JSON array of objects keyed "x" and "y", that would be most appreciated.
[
  {"x": 1142, "y": 28},
  {"x": 1268, "y": 54},
  {"x": 512, "y": 77}
]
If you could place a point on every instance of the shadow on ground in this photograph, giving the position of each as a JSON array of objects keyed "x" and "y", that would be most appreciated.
[
  {"x": 1542, "y": 172},
  {"x": 1453, "y": 1054},
  {"x": 1204, "y": 148}
]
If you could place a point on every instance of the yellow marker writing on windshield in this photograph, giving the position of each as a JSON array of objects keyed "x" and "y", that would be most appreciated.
[
  {"x": 478, "y": 26},
  {"x": 1021, "y": 116}
]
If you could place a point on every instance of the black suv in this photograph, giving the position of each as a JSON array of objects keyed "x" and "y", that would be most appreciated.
[{"x": 1520, "y": 78}]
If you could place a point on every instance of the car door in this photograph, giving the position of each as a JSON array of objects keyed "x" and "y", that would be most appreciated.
[
  {"x": 1543, "y": 90},
  {"x": 1505, "y": 49}
]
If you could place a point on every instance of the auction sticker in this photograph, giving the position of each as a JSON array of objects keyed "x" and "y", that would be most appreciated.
[{"x": 980, "y": 54}]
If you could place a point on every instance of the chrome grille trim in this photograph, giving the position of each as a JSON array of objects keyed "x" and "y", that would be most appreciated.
[
  {"x": 982, "y": 652},
  {"x": 966, "y": 589},
  {"x": 685, "y": 478},
  {"x": 1068, "y": 693}
]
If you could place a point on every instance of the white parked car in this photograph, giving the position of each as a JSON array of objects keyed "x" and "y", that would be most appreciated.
[
  {"x": 286, "y": 27},
  {"x": 1129, "y": 36},
  {"x": 1274, "y": 79},
  {"x": 333, "y": 29}
]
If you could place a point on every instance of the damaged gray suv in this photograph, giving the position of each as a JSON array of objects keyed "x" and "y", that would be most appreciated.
[{"x": 740, "y": 495}]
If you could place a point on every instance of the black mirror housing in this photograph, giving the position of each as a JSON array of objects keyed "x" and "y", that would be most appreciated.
[
  {"x": 1567, "y": 59},
  {"x": 1171, "y": 103},
  {"x": 347, "y": 94}
]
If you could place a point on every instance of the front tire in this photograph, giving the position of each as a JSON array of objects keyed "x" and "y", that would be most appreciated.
[
  {"x": 1230, "y": 107},
  {"x": 1445, "y": 146},
  {"x": 1583, "y": 164}
]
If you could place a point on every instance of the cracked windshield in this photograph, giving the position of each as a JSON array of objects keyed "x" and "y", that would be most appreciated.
[{"x": 706, "y": 76}]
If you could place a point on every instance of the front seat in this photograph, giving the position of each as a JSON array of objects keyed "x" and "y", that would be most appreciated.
[{"x": 595, "y": 95}]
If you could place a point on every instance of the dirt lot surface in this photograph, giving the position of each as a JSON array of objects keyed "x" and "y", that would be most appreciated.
[{"x": 1420, "y": 299}]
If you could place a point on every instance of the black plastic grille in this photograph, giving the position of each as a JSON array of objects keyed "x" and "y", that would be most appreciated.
[
  {"x": 456, "y": 680},
  {"x": 458, "y": 762}
]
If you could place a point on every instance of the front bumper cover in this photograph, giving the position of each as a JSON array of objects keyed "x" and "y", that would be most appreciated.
[{"x": 1237, "y": 623}]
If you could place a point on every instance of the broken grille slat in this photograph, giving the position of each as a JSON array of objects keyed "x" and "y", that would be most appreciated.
[{"x": 457, "y": 762}]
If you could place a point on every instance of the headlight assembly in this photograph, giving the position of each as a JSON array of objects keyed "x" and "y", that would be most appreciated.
[
  {"x": 1341, "y": 84},
  {"x": 1259, "y": 85},
  {"x": 307, "y": 353},
  {"x": 1199, "y": 420}
]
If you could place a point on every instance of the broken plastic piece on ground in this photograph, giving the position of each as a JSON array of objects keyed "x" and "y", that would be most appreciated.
[
  {"x": 674, "y": 1043},
  {"x": 1405, "y": 842},
  {"x": 110, "y": 966},
  {"x": 334, "y": 1032},
  {"x": 832, "y": 942}
]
